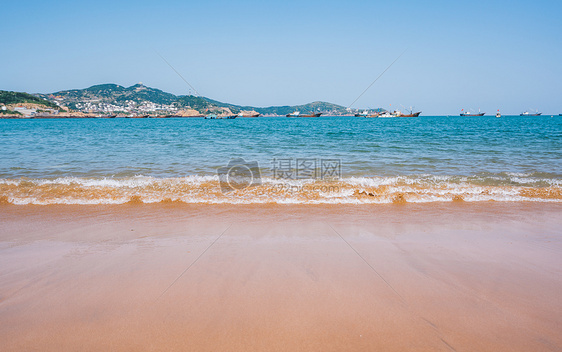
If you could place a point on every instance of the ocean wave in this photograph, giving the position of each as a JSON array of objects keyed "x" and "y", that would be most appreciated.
[{"x": 353, "y": 190}]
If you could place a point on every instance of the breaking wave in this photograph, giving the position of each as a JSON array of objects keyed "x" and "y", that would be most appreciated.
[{"x": 503, "y": 187}]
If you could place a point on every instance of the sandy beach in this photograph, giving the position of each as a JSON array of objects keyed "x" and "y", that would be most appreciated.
[{"x": 439, "y": 277}]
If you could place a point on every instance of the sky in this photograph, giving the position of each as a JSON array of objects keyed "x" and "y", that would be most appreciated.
[{"x": 484, "y": 55}]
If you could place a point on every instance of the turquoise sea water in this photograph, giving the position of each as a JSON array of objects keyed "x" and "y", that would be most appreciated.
[{"x": 511, "y": 151}]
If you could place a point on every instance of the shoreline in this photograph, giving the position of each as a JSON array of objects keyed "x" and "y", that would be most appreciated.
[
  {"x": 462, "y": 276},
  {"x": 209, "y": 189},
  {"x": 17, "y": 117}
]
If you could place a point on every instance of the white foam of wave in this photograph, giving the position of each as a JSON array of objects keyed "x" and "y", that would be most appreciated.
[
  {"x": 129, "y": 182},
  {"x": 415, "y": 189},
  {"x": 430, "y": 199},
  {"x": 375, "y": 181}
]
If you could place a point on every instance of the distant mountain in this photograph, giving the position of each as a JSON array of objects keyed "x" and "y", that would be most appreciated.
[
  {"x": 318, "y": 106},
  {"x": 117, "y": 95},
  {"x": 111, "y": 94}
]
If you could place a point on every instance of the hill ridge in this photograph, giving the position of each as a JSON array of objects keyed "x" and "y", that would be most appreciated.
[{"x": 110, "y": 97}]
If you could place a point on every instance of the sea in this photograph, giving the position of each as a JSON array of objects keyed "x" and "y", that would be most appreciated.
[{"x": 325, "y": 160}]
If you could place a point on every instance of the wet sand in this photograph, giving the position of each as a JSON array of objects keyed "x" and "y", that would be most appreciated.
[{"x": 436, "y": 277}]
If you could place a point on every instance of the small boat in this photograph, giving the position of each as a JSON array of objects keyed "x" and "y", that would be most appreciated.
[
  {"x": 470, "y": 113},
  {"x": 216, "y": 117},
  {"x": 498, "y": 114},
  {"x": 254, "y": 114},
  {"x": 298, "y": 114},
  {"x": 528, "y": 113}
]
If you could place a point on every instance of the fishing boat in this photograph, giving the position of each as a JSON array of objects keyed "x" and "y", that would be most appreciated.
[
  {"x": 365, "y": 113},
  {"x": 410, "y": 114},
  {"x": 388, "y": 114},
  {"x": 382, "y": 114},
  {"x": 498, "y": 114},
  {"x": 315, "y": 114},
  {"x": 470, "y": 113},
  {"x": 528, "y": 113}
]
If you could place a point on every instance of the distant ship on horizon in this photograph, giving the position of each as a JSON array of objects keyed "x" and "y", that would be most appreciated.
[
  {"x": 470, "y": 113},
  {"x": 410, "y": 114},
  {"x": 298, "y": 114},
  {"x": 251, "y": 114},
  {"x": 528, "y": 113},
  {"x": 365, "y": 113},
  {"x": 395, "y": 113}
]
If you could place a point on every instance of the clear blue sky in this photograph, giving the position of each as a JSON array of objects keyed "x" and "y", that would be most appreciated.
[{"x": 461, "y": 54}]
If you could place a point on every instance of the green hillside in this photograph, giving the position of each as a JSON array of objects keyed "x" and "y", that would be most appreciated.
[
  {"x": 198, "y": 103},
  {"x": 7, "y": 98},
  {"x": 317, "y": 106},
  {"x": 118, "y": 95},
  {"x": 113, "y": 93}
]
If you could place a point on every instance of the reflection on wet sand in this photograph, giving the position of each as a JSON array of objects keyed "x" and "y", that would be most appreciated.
[{"x": 454, "y": 276}]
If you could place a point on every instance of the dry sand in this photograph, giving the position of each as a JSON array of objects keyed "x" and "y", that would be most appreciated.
[{"x": 436, "y": 277}]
